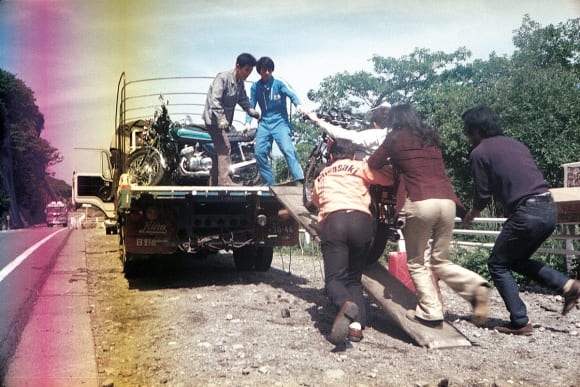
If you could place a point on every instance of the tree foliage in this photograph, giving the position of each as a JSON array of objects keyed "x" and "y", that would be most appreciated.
[
  {"x": 535, "y": 92},
  {"x": 25, "y": 155}
]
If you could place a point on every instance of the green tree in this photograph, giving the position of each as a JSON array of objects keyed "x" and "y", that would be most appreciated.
[
  {"x": 25, "y": 154},
  {"x": 535, "y": 92}
]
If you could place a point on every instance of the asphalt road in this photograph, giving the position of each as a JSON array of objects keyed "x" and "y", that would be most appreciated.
[{"x": 26, "y": 259}]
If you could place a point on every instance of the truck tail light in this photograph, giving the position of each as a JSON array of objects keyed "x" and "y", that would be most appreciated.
[{"x": 151, "y": 213}]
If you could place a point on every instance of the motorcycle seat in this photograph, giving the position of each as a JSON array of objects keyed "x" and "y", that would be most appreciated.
[{"x": 241, "y": 137}]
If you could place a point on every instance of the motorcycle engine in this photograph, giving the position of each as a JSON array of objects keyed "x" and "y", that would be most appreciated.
[{"x": 193, "y": 161}]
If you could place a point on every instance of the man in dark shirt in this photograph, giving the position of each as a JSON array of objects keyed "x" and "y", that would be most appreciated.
[{"x": 504, "y": 169}]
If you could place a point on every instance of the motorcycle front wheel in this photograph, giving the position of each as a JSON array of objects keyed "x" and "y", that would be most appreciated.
[
  {"x": 144, "y": 167},
  {"x": 315, "y": 165}
]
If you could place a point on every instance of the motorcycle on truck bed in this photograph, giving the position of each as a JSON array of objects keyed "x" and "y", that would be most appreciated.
[{"x": 154, "y": 181}]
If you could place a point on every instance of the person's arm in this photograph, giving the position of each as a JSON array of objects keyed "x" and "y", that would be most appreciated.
[
  {"x": 470, "y": 215},
  {"x": 380, "y": 157},
  {"x": 333, "y": 131},
  {"x": 244, "y": 103},
  {"x": 289, "y": 92},
  {"x": 383, "y": 176},
  {"x": 252, "y": 102},
  {"x": 481, "y": 191},
  {"x": 214, "y": 98}
]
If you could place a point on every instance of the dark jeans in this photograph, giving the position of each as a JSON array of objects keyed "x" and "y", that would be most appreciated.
[
  {"x": 530, "y": 225},
  {"x": 345, "y": 241}
]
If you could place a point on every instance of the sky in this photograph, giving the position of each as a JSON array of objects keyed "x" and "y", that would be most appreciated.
[{"x": 71, "y": 53}]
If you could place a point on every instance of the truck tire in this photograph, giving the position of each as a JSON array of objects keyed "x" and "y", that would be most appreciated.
[
  {"x": 263, "y": 258},
  {"x": 253, "y": 258},
  {"x": 130, "y": 267}
]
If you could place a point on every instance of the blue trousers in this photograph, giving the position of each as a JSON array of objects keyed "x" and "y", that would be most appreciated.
[
  {"x": 282, "y": 134},
  {"x": 530, "y": 225}
]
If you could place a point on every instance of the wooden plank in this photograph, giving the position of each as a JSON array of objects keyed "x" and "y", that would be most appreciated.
[
  {"x": 395, "y": 299},
  {"x": 291, "y": 198},
  {"x": 387, "y": 291}
]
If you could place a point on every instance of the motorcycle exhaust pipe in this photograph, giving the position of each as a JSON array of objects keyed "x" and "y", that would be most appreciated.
[{"x": 234, "y": 168}]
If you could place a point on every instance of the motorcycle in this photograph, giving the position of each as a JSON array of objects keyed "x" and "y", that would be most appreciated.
[
  {"x": 386, "y": 222},
  {"x": 182, "y": 153}
]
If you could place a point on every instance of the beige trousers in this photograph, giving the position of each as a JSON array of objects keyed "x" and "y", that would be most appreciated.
[{"x": 434, "y": 218}]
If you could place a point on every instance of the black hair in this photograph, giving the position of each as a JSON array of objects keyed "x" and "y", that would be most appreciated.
[
  {"x": 245, "y": 59},
  {"x": 404, "y": 116},
  {"x": 380, "y": 116},
  {"x": 481, "y": 118},
  {"x": 344, "y": 149},
  {"x": 264, "y": 63}
]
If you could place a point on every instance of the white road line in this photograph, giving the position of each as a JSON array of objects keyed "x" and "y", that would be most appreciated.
[{"x": 22, "y": 257}]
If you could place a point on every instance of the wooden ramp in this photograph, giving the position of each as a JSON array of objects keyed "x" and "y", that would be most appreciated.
[
  {"x": 291, "y": 198},
  {"x": 395, "y": 299},
  {"x": 387, "y": 291}
]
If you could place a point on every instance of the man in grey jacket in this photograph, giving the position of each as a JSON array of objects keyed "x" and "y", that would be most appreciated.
[{"x": 226, "y": 90}]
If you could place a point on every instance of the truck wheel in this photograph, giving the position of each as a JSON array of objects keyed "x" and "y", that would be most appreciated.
[
  {"x": 130, "y": 268},
  {"x": 263, "y": 258},
  {"x": 253, "y": 258},
  {"x": 244, "y": 258}
]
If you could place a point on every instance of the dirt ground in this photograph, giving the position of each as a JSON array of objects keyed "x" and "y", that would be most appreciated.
[{"x": 201, "y": 323}]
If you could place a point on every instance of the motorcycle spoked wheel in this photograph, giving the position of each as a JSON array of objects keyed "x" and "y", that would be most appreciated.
[
  {"x": 312, "y": 171},
  {"x": 248, "y": 176},
  {"x": 144, "y": 167}
]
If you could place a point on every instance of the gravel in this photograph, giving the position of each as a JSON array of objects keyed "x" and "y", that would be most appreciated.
[{"x": 201, "y": 323}]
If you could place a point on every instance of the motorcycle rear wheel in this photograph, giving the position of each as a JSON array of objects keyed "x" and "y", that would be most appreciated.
[{"x": 144, "y": 167}]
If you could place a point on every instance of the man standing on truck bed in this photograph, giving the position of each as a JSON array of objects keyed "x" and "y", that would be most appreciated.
[
  {"x": 226, "y": 90},
  {"x": 271, "y": 94}
]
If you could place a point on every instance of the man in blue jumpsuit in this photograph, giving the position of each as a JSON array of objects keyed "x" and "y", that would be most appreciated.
[{"x": 270, "y": 94}]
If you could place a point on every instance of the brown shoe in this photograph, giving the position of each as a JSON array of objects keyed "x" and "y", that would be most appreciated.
[
  {"x": 347, "y": 314},
  {"x": 355, "y": 335},
  {"x": 571, "y": 297},
  {"x": 525, "y": 330},
  {"x": 428, "y": 323},
  {"x": 480, "y": 304}
]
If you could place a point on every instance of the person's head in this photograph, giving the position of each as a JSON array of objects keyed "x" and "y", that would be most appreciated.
[
  {"x": 265, "y": 67},
  {"x": 244, "y": 65},
  {"x": 379, "y": 117},
  {"x": 404, "y": 116},
  {"x": 343, "y": 149},
  {"x": 480, "y": 122}
]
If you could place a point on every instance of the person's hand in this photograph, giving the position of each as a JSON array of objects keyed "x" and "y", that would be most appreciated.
[
  {"x": 300, "y": 109},
  {"x": 312, "y": 116},
  {"x": 254, "y": 113},
  {"x": 223, "y": 124},
  {"x": 246, "y": 128},
  {"x": 468, "y": 218}
]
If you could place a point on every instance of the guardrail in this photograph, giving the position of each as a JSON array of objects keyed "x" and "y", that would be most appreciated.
[{"x": 564, "y": 232}]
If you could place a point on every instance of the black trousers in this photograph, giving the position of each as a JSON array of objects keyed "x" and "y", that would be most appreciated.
[{"x": 345, "y": 240}]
